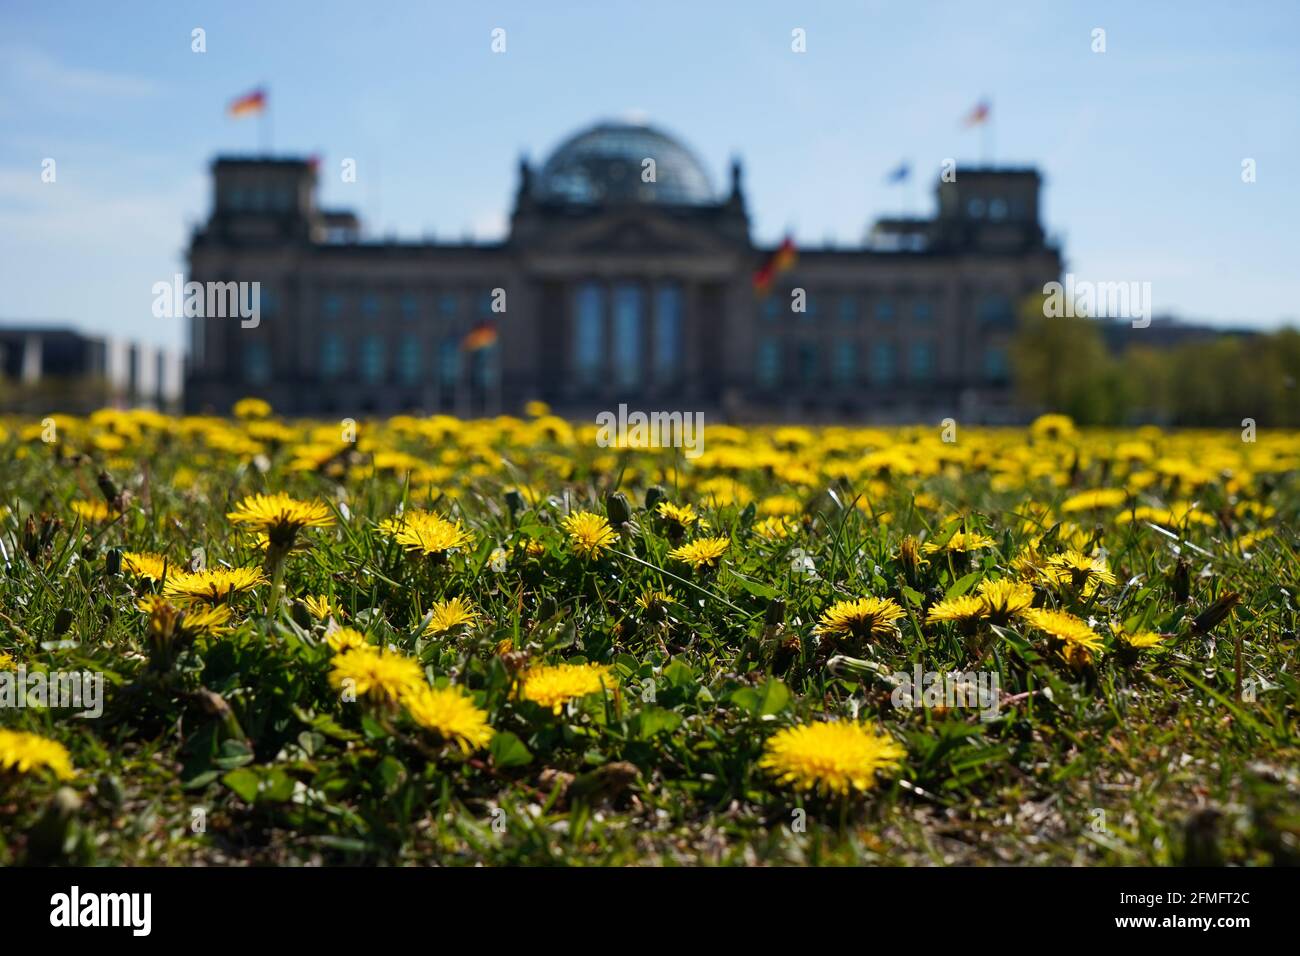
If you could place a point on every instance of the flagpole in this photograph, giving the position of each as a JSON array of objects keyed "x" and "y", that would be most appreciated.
[
  {"x": 987, "y": 137},
  {"x": 265, "y": 125}
]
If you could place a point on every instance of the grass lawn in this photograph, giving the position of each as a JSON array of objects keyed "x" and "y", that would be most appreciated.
[{"x": 428, "y": 641}]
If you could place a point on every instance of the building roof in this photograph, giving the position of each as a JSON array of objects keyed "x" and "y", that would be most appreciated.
[{"x": 605, "y": 163}]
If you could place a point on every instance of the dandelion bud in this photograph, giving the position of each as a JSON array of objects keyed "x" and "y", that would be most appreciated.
[
  {"x": 618, "y": 508},
  {"x": 653, "y": 495},
  {"x": 1214, "y": 615}
]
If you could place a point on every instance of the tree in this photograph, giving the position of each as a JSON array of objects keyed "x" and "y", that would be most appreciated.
[{"x": 1061, "y": 365}]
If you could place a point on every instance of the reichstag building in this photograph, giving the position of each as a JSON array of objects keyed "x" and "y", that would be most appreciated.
[{"x": 610, "y": 288}]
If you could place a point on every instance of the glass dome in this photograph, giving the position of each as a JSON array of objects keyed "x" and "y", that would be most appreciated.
[{"x": 605, "y": 164}]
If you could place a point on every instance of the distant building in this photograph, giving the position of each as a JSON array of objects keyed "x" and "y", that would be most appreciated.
[
  {"x": 60, "y": 369},
  {"x": 1163, "y": 332},
  {"x": 616, "y": 289}
]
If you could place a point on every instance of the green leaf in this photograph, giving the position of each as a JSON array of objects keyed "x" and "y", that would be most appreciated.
[
  {"x": 276, "y": 786},
  {"x": 509, "y": 751},
  {"x": 962, "y": 585},
  {"x": 755, "y": 588},
  {"x": 775, "y": 697},
  {"x": 232, "y": 754},
  {"x": 243, "y": 782},
  {"x": 657, "y": 720}
]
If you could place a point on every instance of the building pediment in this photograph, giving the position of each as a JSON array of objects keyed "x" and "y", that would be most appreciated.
[{"x": 635, "y": 230}]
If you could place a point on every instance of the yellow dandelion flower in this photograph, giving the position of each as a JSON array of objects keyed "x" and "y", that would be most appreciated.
[
  {"x": 679, "y": 516},
  {"x": 321, "y": 607},
  {"x": 651, "y": 599},
  {"x": 344, "y": 639},
  {"x": 380, "y": 674},
  {"x": 702, "y": 552},
  {"x": 1079, "y": 571},
  {"x": 861, "y": 618},
  {"x": 909, "y": 555},
  {"x": 1077, "y": 639},
  {"x": 780, "y": 505},
  {"x": 427, "y": 533},
  {"x": 1142, "y": 639},
  {"x": 1052, "y": 427},
  {"x": 450, "y": 614},
  {"x": 168, "y": 621},
  {"x": 834, "y": 757},
  {"x": 451, "y": 714},
  {"x": 93, "y": 511},
  {"x": 280, "y": 517},
  {"x": 214, "y": 585},
  {"x": 1096, "y": 500},
  {"x": 964, "y": 608},
  {"x": 251, "y": 408},
  {"x": 554, "y": 685},
  {"x": 1004, "y": 598},
  {"x": 774, "y": 528},
  {"x": 23, "y": 752},
  {"x": 589, "y": 533},
  {"x": 960, "y": 543},
  {"x": 7, "y": 662},
  {"x": 146, "y": 564}
]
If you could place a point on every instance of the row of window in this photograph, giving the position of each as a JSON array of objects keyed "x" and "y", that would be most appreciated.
[
  {"x": 375, "y": 362},
  {"x": 849, "y": 307},
  {"x": 258, "y": 199},
  {"x": 775, "y": 365},
  {"x": 409, "y": 305},
  {"x": 995, "y": 208},
  {"x": 802, "y": 363}
]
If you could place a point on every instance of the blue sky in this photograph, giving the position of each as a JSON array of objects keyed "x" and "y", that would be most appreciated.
[{"x": 1141, "y": 145}]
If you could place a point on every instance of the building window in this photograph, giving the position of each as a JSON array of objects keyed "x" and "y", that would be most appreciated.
[
  {"x": 332, "y": 306},
  {"x": 922, "y": 311},
  {"x": 482, "y": 369},
  {"x": 997, "y": 369},
  {"x": 410, "y": 306},
  {"x": 448, "y": 306},
  {"x": 332, "y": 355},
  {"x": 370, "y": 305},
  {"x": 808, "y": 363},
  {"x": 921, "y": 362},
  {"x": 882, "y": 363},
  {"x": 449, "y": 361},
  {"x": 668, "y": 333},
  {"x": 628, "y": 308},
  {"x": 997, "y": 209},
  {"x": 885, "y": 311},
  {"x": 589, "y": 331},
  {"x": 995, "y": 310},
  {"x": 845, "y": 363},
  {"x": 257, "y": 363},
  {"x": 975, "y": 208},
  {"x": 772, "y": 308},
  {"x": 848, "y": 308},
  {"x": 408, "y": 360},
  {"x": 812, "y": 307},
  {"x": 768, "y": 363},
  {"x": 372, "y": 359}
]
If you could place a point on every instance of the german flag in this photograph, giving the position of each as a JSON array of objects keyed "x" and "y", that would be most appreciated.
[
  {"x": 979, "y": 115},
  {"x": 482, "y": 336},
  {"x": 783, "y": 259},
  {"x": 248, "y": 104}
]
